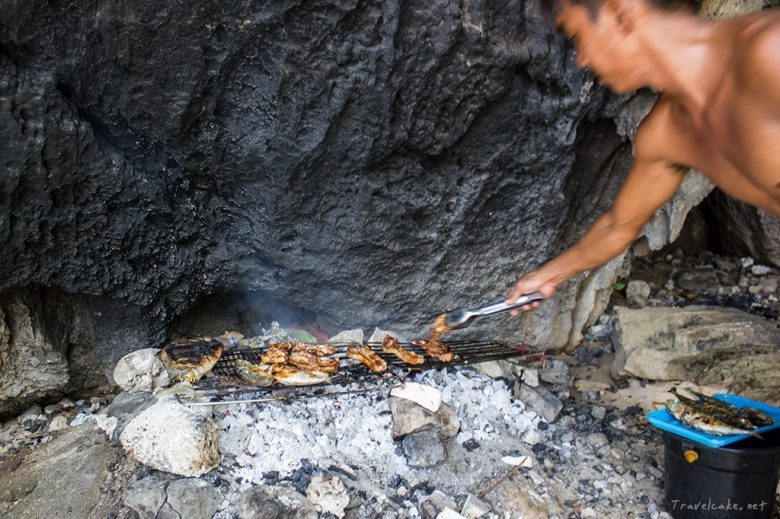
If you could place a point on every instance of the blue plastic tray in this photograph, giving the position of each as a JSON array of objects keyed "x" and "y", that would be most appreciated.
[{"x": 664, "y": 420}]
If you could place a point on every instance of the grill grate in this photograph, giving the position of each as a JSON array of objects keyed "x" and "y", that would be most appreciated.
[{"x": 227, "y": 384}]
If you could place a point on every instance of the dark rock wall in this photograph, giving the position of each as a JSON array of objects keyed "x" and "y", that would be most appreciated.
[{"x": 372, "y": 162}]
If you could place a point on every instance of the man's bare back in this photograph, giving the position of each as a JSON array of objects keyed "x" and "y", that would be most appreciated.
[
  {"x": 719, "y": 113},
  {"x": 736, "y": 141}
]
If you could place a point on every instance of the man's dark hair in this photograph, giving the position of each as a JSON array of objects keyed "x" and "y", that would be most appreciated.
[{"x": 549, "y": 8}]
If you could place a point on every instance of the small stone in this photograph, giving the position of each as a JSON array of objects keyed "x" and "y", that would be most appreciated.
[
  {"x": 424, "y": 448},
  {"x": 141, "y": 370},
  {"x": 474, "y": 507},
  {"x": 492, "y": 368},
  {"x": 760, "y": 270},
  {"x": 597, "y": 440},
  {"x": 598, "y": 412},
  {"x": 637, "y": 292},
  {"x": 58, "y": 423},
  {"x": 347, "y": 336},
  {"x": 193, "y": 498},
  {"x": 328, "y": 494},
  {"x": 449, "y": 513},
  {"x": 555, "y": 372},
  {"x": 426, "y": 396},
  {"x": 539, "y": 400},
  {"x": 530, "y": 377},
  {"x": 434, "y": 504},
  {"x": 52, "y": 409},
  {"x": 409, "y": 417},
  {"x": 146, "y": 496}
]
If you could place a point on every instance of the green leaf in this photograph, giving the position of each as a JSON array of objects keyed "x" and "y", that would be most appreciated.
[
  {"x": 618, "y": 286},
  {"x": 300, "y": 335}
]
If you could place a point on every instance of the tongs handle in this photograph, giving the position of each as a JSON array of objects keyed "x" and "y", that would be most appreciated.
[{"x": 502, "y": 306}]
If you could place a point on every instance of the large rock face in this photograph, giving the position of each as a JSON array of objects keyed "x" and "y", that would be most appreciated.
[{"x": 370, "y": 162}]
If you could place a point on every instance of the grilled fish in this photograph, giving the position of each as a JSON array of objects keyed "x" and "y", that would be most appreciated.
[
  {"x": 189, "y": 359},
  {"x": 756, "y": 417},
  {"x": 698, "y": 420},
  {"x": 289, "y": 375},
  {"x": 256, "y": 374},
  {"x": 718, "y": 412}
]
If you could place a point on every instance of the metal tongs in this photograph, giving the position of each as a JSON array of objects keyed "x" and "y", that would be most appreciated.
[{"x": 461, "y": 317}]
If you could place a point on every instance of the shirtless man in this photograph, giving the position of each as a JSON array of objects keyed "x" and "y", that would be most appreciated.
[{"x": 718, "y": 112}]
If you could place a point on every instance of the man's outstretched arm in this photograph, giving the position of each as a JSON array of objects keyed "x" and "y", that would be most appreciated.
[{"x": 648, "y": 186}]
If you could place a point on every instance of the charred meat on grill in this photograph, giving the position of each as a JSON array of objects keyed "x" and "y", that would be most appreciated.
[
  {"x": 308, "y": 361},
  {"x": 391, "y": 345},
  {"x": 436, "y": 349},
  {"x": 320, "y": 350},
  {"x": 367, "y": 356},
  {"x": 277, "y": 353},
  {"x": 188, "y": 359}
]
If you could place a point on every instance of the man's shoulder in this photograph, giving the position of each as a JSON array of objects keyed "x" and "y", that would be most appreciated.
[
  {"x": 757, "y": 59},
  {"x": 656, "y": 129}
]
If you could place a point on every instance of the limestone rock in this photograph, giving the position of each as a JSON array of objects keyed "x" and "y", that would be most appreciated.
[
  {"x": 409, "y": 417},
  {"x": 328, "y": 494},
  {"x": 540, "y": 400},
  {"x": 348, "y": 336},
  {"x": 174, "y": 438},
  {"x": 663, "y": 343},
  {"x": 66, "y": 477},
  {"x": 424, "y": 448},
  {"x": 141, "y": 370},
  {"x": 193, "y": 498},
  {"x": 265, "y": 502},
  {"x": 425, "y": 396},
  {"x": 379, "y": 335},
  {"x": 146, "y": 496}
]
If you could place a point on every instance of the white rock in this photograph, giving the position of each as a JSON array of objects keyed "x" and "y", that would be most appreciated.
[
  {"x": 174, "y": 438},
  {"x": 107, "y": 423},
  {"x": 449, "y": 513},
  {"x": 348, "y": 336},
  {"x": 58, "y": 423},
  {"x": 328, "y": 494},
  {"x": 141, "y": 370},
  {"x": 379, "y": 335},
  {"x": 474, "y": 508},
  {"x": 426, "y": 396},
  {"x": 530, "y": 377}
]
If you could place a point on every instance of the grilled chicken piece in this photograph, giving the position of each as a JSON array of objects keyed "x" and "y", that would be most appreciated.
[
  {"x": 391, "y": 345},
  {"x": 189, "y": 359},
  {"x": 308, "y": 361},
  {"x": 277, "y": 353},
  {"x": 367, "y": 356},
  {"x": 436, "y": 349},
  {"x": 317, "y": 349},
  {"x": 289, "y": 375}
]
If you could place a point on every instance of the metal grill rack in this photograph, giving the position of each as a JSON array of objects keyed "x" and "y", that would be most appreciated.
[{"x": 225, "y": 386}]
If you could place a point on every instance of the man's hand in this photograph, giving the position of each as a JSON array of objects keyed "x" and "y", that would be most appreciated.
[{"x": 531, "y": 282}]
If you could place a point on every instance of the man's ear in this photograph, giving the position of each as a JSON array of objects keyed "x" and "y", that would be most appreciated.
[{"x": 626, "y": 13}]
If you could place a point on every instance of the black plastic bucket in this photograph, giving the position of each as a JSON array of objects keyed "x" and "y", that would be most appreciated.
[{"x": 734, "y": 482}]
